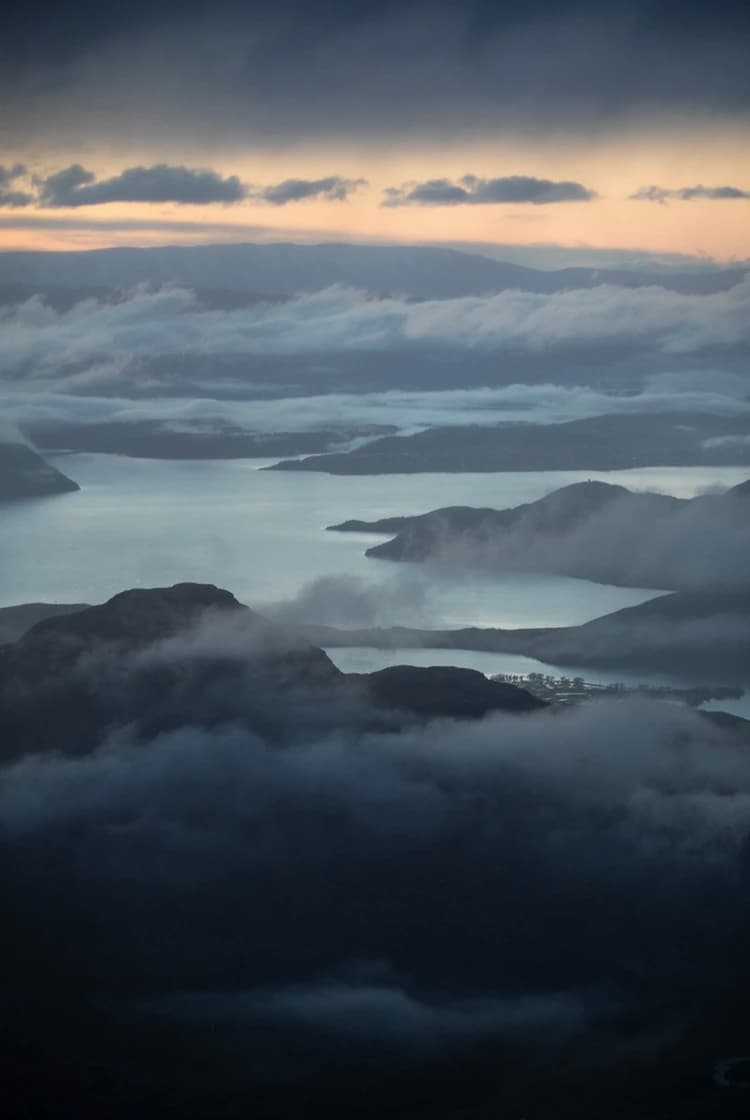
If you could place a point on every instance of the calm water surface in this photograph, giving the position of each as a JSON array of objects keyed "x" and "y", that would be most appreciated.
[{"x": 262, "y": 535}]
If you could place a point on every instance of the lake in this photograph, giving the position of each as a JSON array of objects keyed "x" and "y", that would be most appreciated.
[{"x": 261, "y": 534}]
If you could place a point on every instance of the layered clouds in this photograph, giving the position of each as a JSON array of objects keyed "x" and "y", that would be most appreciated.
[{"x": 39, "y": 342}]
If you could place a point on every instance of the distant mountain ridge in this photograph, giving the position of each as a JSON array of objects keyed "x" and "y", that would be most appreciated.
[
  {"x": 616, "y": 441},
  {"x": 282, "y": 269}
]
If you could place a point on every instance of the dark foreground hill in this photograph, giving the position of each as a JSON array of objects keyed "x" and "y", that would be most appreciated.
[
  {"x": 238, "y": 883},
  {"x": 25, "y": 474},
  {"x": 153, "y": 660}
]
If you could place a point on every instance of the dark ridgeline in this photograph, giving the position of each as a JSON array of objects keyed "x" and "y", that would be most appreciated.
[
  {"x": 192, "y": 654},
  {"x": 281, "y": 270},
  {"x": 599, "y": 443},
  {"x": 154, "y": 439}
]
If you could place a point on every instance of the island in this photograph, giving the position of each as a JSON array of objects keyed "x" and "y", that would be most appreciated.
[
  {"x": 617, "y": 441},
  {"x": 585, "y": 530},
  {"x": 25, "y": 474}
]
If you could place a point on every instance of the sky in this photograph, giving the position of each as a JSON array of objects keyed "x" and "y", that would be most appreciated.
[{"x": 561, "y": 124}]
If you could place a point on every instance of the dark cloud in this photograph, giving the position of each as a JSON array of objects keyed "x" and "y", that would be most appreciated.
[
  {"x": 9, "y": 195},
  {"x": 686, "y": 194},
  {"x": 480, "y": 192},
  {"x": 75, "y": 186},
  {"x": 9, "y": 174},
  {"x": 333, "y": 187},
  {"x": 335, "y": 69}
]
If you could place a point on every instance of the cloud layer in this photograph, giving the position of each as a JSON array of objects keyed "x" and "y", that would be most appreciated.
[
  {"x": 371, "y": 68},
  {"x": 43, "y": 344}
]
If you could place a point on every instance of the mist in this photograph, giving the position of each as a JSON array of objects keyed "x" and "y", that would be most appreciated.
[{"x": 692, "y": 544}]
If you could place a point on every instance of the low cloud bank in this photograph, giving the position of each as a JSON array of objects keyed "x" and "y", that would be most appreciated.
[
  {"x": 708, "y": 391},
  {"x": 42, "y": 343}
]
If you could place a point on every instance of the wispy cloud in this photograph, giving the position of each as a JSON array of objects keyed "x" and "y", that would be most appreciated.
[
  {"x": 10, "y": 196},
  {"x": 687, "y": 194},
  {"x": 333, "y": 188}
]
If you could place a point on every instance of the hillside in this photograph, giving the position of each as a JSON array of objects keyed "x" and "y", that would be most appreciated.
[
  {"x": 585, "y": 530},
  {"x": 159, "y": 658},
  {"x": 25, "y": 474}
]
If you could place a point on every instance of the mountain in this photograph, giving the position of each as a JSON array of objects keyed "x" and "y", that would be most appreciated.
[
  {"x": 153, "y": 660},
  {"x": 25, "y": 474},
  {"x": 425, "y": 534},
  {"x": 283, "y": 269},
  {"x": 585, "y": 530},
  {"x": 599, "y": 443}
]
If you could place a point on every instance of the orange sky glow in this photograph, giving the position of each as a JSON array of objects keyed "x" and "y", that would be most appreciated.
[{"x": 614, "y": 169}]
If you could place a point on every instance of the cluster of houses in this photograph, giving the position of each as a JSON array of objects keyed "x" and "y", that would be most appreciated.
[{"x": 573, "y": 690}]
